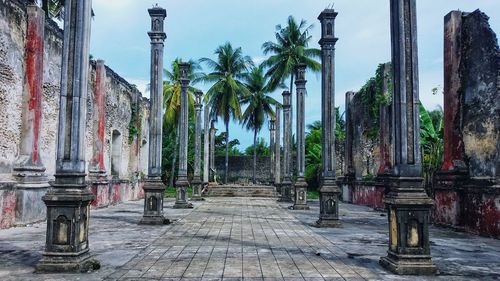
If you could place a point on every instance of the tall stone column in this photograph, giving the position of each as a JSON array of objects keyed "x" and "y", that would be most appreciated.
[
  {"x": 197, "y": 183},
  {"x": 206, "y": 144},
  {"x": 212, "y": 151},
  {"x": 407, "y": 203},
  {"x": 29, "y": 171},
  {"x": 286, "y": 185},
  {"x": 153, "y": 186},
  {"x": 277, "y": 151},
  {"x": 349, "y": 172},
  {"x": 97, "y": 170},
  {"x": 329, "y": 191},
  {"x": 68, "y": 199},
  {"x": 182, "y": 182},
  {"x": 300, "y": 202},
  {"x": 272, "y": 147}
]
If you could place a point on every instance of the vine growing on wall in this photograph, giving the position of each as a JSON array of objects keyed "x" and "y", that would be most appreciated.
[
  {"x": 373, "y": 95},
  {"x": 135, "y": 125}
]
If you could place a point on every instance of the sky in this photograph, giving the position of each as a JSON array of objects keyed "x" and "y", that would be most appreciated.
[{"x": 195, "y": 28}]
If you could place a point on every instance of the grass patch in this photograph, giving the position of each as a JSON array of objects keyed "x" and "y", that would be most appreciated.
[
  {"x": 170, "y": 192},
  {"x": 312, "y": 194}
]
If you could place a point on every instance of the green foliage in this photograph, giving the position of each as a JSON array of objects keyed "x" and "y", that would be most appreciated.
[
  {"x": 220, "y": 146},
  {"x": 373, "y": 95},
  {"x": 135, "y": 124},
  {"x": 431, "y": 141},
  {"x": 288, "y": 51},
  {"x": 262, "y": 148}
]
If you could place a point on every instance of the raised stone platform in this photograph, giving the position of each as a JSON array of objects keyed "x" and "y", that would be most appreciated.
[{"x": 237, "y": 190}]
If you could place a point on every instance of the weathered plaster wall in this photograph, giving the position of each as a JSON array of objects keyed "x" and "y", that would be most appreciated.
[
  {"x": 467, "y": 192},
  {"x": 120, "y": 97},
  {"x": 241, "y": 168}
]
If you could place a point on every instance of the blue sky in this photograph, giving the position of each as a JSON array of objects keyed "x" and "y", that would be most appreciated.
[{"x": 196, "y": 27}]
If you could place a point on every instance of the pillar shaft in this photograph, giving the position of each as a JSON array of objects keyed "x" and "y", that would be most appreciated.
[
  {"x": 182, "y": 182},
  {"x": 272, "y": 147},
  {"x": 153, "y": 186},
  {"x": 286, "y": 185},
  {"x": 29, "y": 166},
  {"x": 206, "y": 144},
  {"x": 212, "y": 151},
  {"x": 453, "y": 144},
  {"x": 385, "y": 128},
  {"x": 68, "y": 200},
  {"x": 97, "y": 168},
  {"x": 300, "y": 202},
  {"x": 407, "y": 203},
  {"x": 329, "y": 192},
  {"x": 197, "y": 183},
  {"x": 277, "y": 150},
  {"x": 349, "y": 125}
]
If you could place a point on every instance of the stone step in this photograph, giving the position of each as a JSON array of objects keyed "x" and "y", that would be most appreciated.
[{"x": 242, "y": 191}]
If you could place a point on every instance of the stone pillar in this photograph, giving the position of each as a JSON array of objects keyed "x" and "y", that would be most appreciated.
[
  {"x": 182, "y": 182},
  {"x": 97, "y": 170},
  {"x": 300, "y": 202},
  {"x": 329, "y": 191},
  {"x": 68, "y": 199},
  {"x": 206, "y": 146},
  {"x": 153, "y": 186},
  {"x": 272, "y": 147},
  {"x": 29, "y": 171},
  {"x": 286, "y": 185},
  {"x": 212, "y": 151},
  {"x": 407, "y": 203},
  {"x": 349, "y": 172},
  {"x": 453, "y": 144},
  {"x": 385, "y": 143},
  {"x": 197, "y": 183},
  {"x": 277, "y": 151}
]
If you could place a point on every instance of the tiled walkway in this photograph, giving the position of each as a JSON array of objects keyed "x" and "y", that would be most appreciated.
[{"x": 246, "y": 239}]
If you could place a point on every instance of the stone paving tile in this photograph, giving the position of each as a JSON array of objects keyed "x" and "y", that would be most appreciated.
[{"x": 246, "y": 239}]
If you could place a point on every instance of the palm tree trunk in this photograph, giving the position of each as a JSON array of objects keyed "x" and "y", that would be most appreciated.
[
  {"x": 227, "y": 152},
  {"x": 172, "y": 170},
  {"x": 254, "y": 155}
]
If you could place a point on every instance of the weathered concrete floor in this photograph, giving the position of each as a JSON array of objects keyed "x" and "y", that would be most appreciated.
[{"x": 245, "y": 238}]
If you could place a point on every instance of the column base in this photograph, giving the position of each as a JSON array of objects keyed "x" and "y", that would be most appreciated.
[
  {"x": 408, "y": 264},
  {"x": 181, "y": 195},
  {"x": 300, "y": 202},
  {"x": 197, "y": 185},
  {"x": 153, "y": 203},
  {"x": 327, "y": 223},
  {"x": 57, "y": 263},
  {"x": 154, "y": 220},
  {"x": 329, "y": 203},
  {"x": 286, "y": 192}
]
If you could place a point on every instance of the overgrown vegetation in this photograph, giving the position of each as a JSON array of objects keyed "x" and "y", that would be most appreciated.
[{"x": 135, "y": 124}]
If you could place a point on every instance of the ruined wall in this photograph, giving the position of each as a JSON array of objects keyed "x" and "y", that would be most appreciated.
[
  {"x": 241, "y": 168},
  {"x": 120, "y": 98},
  {"x": 467, "y": 192}
]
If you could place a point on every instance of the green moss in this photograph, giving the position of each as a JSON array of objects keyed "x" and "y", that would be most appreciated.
[{"x": 135, "y": 124}]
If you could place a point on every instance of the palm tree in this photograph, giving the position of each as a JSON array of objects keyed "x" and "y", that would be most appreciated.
[
  {"x": 260, "y": 106},
  {"x": 52, "y": 8},
  {"x": 223, "y": 96},
  {"x": 172, "y": 100},
  {"x": 288, "y": 51}
]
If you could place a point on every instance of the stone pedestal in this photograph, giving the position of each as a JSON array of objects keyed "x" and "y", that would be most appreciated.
[
  {"x": 153, "y": 186},
  {"x": 68, "y": 199},
  {"x": 329, "y": 191},
  {"x": 153, "y": 202},
  {"x": 407, "y": 203}
]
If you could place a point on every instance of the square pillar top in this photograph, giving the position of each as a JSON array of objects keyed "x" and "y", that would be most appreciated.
[
  {"x": 198, "y": 94},
  {"x": 286, "y": 99},
  {"x": 158, "y": 16},
  {"x": 327, "y": 19},
  {"x": 301, "y": 72}
]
